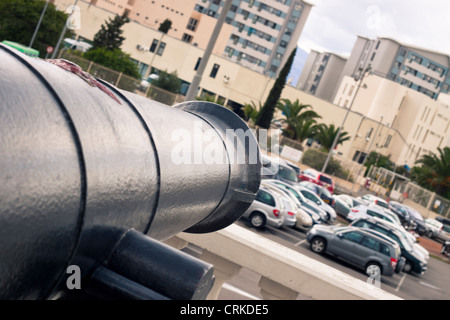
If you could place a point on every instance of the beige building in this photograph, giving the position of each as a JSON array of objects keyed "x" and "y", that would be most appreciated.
[
  {"x": 412, "y": 123},
  {"x": 320, "y": 74},
  {"x": 421, "y": 123},
  {"x": 259, "y": 35}
]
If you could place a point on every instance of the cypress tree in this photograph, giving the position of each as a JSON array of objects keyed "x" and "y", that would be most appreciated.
[{"x": 266, "y": 114}]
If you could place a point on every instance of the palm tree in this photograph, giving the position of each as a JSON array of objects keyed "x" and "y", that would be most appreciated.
[
  {"x": 438, "y": 175},
  {"x": 251, "y": 112},
  {"x": 300, "y": 122},
  {"x": 326, "y": 135}
]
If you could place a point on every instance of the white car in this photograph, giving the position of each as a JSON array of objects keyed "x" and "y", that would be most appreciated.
[
  {"x": 371, "y": 199},
  {"x": 373, "y": 210},
  {"x": 303, "y": 219},
  {"x": 267, "y": 208},
  {"x": 435, "y": 229}
]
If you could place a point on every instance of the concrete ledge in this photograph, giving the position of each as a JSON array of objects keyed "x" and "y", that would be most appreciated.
[{"x": 284, "y": 266}]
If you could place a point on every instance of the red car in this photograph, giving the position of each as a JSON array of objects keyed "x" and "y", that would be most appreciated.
[{"x": 318, "y": 178}]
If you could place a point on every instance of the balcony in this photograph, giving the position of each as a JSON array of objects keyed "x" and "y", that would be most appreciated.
[{"x": 296, "y": 275}]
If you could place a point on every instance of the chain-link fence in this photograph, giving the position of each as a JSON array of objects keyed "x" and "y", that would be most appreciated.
[
  {"x": 123, "y": 81},
  {"x": 397, "y": 187}
]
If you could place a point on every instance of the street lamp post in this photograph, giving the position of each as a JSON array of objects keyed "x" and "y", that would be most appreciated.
[
  {"x": 367, "y": 153},
  {"x": 39, "y": 24},
  {"x": 336, "y": 139}
]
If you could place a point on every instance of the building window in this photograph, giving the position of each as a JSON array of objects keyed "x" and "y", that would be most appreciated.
[
  {"x": 161, "y": 48},
  {"x": 283, "y": 44},
  {"x": 192, "y": 24},
  {"x": 197, "y": 64},
  {"x": 388, "y": 140},
  {"x": 186, "y": 38},
  {"x": 214, "y": 70},
  {"x": 369, "y": 133},
  {"x": 154, "y": 45}
]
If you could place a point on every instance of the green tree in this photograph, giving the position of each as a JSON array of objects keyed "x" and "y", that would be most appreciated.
[
  {"x": 438, "y": 173},
  {"x": 251, "y": 112},
  {"x": 327, "y": 133},
  {"x": 165, "y": 26},
  {"x": 110, "y": 34},
  {"x": 168, "y": 81},
  {"x": 115, "y": 59},
  {"x": 299, "y": 119},
  {"x": 19, "y": 19},
  {"x": 266, "y": 114}
]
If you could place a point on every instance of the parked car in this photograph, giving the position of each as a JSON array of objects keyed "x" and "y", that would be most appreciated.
[
  {"x": 303, "y": 219},
  {"x": 403, "y": 214},
  {"x": 344, "y": 203},
  {"x": 446, "y": 248},
  {"x": 296, "y": 168},
  {"x": 289, "y": 208},
  {"x": 373, "y": 253},
  {"x": 311, "y": 195},
  {"x": 415, "y": 262},
  {"x": 435, "y": 230},
  {"x": 371, "y": 199},
  {"x": 275, "y": 168},
  {"x": 372, "y": 210},
  {"x": 267, "y": 208},
  {"x": 319, "y": 178},
  {"x": 316, "y": 214},
  {"x": 421, "y": 227},
  {"x": 322, "y": 192}
]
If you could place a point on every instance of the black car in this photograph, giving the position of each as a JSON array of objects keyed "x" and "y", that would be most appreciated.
[
  {"x": 420, "y": 226},
  {"x": 446, "y": 248},
  {"x": 403, "y": 214},
  {"x": 413, "y": 263}
]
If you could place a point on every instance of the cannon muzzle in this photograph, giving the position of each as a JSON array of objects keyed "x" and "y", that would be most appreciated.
[{"x": 95, "y": 177}]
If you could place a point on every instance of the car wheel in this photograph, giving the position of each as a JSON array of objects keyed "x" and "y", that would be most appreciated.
[
  {"x": 318, "y": 245},
  {"x": 408, "y": 267},
  {"x": 257, "y": 220},
  {"x": 430, "y": 234},
  {"x": 373, "y": 269}
]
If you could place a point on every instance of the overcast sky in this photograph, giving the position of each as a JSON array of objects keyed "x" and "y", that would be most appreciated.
[{"x": 333, "y": 25}]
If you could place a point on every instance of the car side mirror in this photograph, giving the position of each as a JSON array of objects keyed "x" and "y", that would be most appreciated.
[{"x": 340, "y": 236}]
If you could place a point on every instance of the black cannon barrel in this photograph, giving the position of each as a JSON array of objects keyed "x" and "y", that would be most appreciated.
[{"x": 82, "y": 163}]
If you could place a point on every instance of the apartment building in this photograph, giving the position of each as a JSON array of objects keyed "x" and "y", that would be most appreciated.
[
  {"x": 259, "y": 35},
  {"x": 417, "y": 68},
  {"x": 321, "y": 73},
  {"x": 403, "y": 108},
  {"x": 421, "y": 122}
]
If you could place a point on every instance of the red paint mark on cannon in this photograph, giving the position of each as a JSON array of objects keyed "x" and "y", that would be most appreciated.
[{"x": 75, "y": 69}]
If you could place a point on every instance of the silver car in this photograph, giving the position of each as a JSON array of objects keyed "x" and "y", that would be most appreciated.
[
  {"x": 267, "y": 208},
  {"x": 308, "y": 194},
  {"x": 317, "y": 215},
  {"x": 303, "y": 220},
  {"x": 373, "y": 253}
]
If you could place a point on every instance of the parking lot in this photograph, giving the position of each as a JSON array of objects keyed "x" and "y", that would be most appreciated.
[{"x": 434, "y": 284}]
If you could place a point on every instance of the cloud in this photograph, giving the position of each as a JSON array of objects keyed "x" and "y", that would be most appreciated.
[{"x": 334, "y": 24}]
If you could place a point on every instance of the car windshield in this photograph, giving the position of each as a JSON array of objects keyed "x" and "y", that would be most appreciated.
[
  {"x": 288, "y": 174},
  {"x": 311, "y": 196},
  {"x": 325, "y": 179},
  {"x": 382, "y": 204}
]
